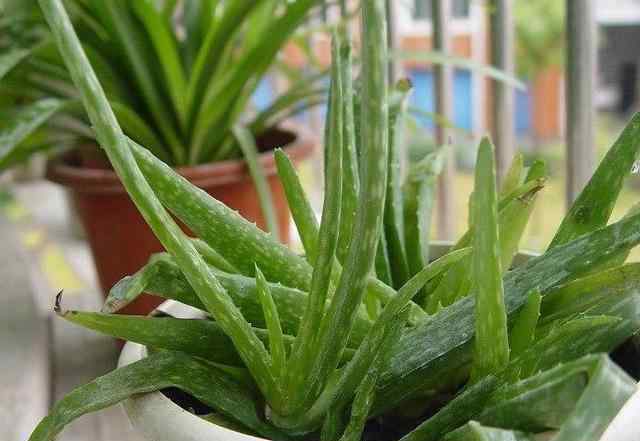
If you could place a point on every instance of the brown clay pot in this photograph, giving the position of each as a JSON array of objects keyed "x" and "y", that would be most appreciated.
[{"x": 120, "y": 240}]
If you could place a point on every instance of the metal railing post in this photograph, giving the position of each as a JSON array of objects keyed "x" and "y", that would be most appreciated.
[
  {"x": 503, "y": 106},
  {"x": 444, "y": 108},
  {"x": 580, "y": 84}
]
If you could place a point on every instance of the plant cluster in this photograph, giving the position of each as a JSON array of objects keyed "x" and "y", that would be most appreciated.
[
  {"x": 179, "y": 75},
  {"x": 366, "y": 325}
]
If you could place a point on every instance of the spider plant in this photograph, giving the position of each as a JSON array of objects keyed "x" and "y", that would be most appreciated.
[
  {"x": 178, "y": 75},
  {"x": 313, "y": 346}
]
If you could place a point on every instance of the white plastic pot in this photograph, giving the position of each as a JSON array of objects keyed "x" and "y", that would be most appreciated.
[{"x": 159, "y": 419}]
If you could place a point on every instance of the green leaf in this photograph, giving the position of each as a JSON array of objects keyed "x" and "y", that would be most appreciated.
[
  {"x": 474, "y": 431},
  {"x": 164, "y": 369},
  {"x": 166, "y": 50},
  {"x": 327, "y": 241},
  {"x": 350, "y": 167},
  {"x": 491, "y": 339},
  {"x": 249, "y": 149},
  {"x": 365, "y": 393},
  {"x": 523, "y": 331},
  {"x": 419, "y": 360},
  {"x": 513, "y": 178},
  {"x": 338, "y": 321},
  {"x": 393, "y": 212},
  {"x": 11, "y": 59},
  {"x": 22, "y": 124},
  {"x": 299, "y": 204},
  {"x": 272, "y": 318},
  {"x": 170, "y": 235},
  {"x": 594, "y": 205},
  {"x": 419, "y": 190}
]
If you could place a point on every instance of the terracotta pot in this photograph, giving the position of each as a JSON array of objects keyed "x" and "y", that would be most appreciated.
[{"x": 121, "y": 241}]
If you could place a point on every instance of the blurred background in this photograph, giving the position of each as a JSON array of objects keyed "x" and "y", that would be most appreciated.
[{"x": 555, "y": 80}]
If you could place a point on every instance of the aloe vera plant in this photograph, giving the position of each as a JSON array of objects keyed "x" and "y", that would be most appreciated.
[
  {"x": 170, "y": 82},
  {"x": 464, "y": 347}
]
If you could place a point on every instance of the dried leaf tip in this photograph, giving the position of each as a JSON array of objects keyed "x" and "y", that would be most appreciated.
[{"x": 57, "y": 307}]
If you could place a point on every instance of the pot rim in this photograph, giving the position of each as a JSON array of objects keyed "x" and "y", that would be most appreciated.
[
  {"x": 94, "y": 180},
  {"x": 159, "y": 418}
]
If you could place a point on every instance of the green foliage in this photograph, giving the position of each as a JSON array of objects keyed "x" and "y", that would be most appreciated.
[
  {"x": 166, "y": 80},
  {"x": 307, "y": 347}
]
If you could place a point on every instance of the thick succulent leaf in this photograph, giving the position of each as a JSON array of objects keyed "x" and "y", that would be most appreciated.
[
  {"x": 419, "y": 190},
  {"x": 581, "y": 295},
  {"x": 301, "y": 210},
  {"x": 593, "y": 390},
  {"x": 593, "y": 207},
  {"x": 22, "y": 124},
  {"x": 247, "y": 144},
  {"x": 165, "y": 228},
  {"x": 274, "y": 326},
  {"x": 327, "y": 241},
  {"x": 474, "y": 431},
  {"x": 199, "y": 378},
  {"x": 523, "y": 332},
  {"x": 491, "y": 336},
  {"x": 513, "y": 178},
  {"x": 432, "y": 349},
  {"x": 162, "y": 277},
  {"x": 393, "y": 211}
]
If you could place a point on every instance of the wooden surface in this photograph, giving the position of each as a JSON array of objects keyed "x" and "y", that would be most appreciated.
[{"x": 44, "y": 357}]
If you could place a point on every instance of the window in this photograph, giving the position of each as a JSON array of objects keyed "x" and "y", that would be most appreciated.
[
  {"x": 460, "y": 8},
  {"x": 422, "y": 9}
]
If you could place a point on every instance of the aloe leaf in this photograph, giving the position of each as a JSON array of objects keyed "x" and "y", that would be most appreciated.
[
  {"x": 337, "y": 322},
  {"x": 200, "y": 338},
  {"x": 594, "y": 205},
  {"x": 365, "y": 393},
  {"x": 162, "y": 277},
  {"x": 341, "y": 389},
  {"x": 532, "y": 404},
  {"x": 160, "y": 34},
  {"x": 513, "y": 178},
  {"x": 164, "y": 369},
  {"x": 578, "y": 296},
  {"x": 393, "y": 212},
  {"x": 491, "y": 337},
  {"x": 474, "y": 431},
  {"x": 299, "y": 204},
  {"x": 11, "y": 59},
  {"x": 420, "y": 358},
  {"x": 111, "y": 138},
  {"x": 524, "y": 327},
  {"x": 350, "y": 175},
  {"x": 383, "y": 262},
  {"x": 212, "y": 257},
  {"x": 221, "y": 228},
  {"x": 456, "y": 413},
  {"x": 272, "y": 319},
  {"x": 22, "y": 124},
  {"x": 250, "y": 151},
  {"x": 419, "y": 190},
  {"x": 333, "y": 425},
  {"x": 327, "y": 241}
]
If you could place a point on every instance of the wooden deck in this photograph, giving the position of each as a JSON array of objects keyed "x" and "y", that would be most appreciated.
[{"x": 44, "y": 357}]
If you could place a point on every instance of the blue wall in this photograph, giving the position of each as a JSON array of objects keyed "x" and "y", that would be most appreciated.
[{"x": 423, "y": 98}]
